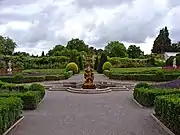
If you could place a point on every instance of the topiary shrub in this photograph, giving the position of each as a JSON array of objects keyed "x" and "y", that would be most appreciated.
[
  {"x": 103, "y": 59},
  {"x": 107, "y": 66},
  {"x": 72, "y": 67}
]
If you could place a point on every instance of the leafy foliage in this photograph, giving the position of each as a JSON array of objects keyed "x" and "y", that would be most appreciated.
[
  {"x": 80, "y": 62},
  {"x": 107, "y": 66},
  {"x": 162, "y": 43},
  {"x": 167, "y": 109},
  {"x": 10, "y": 111},
  {"x": 72, "y": 67},
  {"x": 7, "y": 45},
  {"x": 146, "y": 96},
  {"x": 103, "y": 59},
  {"x": 96, "y": 63},
  {"x": 116, "y": 49},
  {"x": 134, "y": 51},
  {"x": 77, "y": 44}
]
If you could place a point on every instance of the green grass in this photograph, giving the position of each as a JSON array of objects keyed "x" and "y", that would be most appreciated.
[{"x": 46, "y": 71}]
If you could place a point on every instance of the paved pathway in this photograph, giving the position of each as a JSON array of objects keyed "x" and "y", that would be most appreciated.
[{"x": 64, "y": 113}]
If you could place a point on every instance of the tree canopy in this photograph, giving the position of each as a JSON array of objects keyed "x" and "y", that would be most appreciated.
[
  {"x": 7, "y": 45},
  {"x": 134, "y": 51},
  {"x": 77, "y": 44},
  {"x": 162, "y": 42},
  {"x": 116, "y": 49}
]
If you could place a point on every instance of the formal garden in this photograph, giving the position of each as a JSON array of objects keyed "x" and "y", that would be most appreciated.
[{"x": 21, "y": 73}]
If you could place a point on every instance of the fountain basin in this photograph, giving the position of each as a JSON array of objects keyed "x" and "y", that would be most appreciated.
[{"x": 89, "y": 91}]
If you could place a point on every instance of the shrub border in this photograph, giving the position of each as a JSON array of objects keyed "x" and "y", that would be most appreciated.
[
  {"x": 161, "y": 124},
  {"x": 137, "y": 103},
  {"x": 14, "y": 125}
]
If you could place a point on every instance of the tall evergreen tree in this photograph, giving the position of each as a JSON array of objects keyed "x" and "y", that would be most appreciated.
[
  {"x": 103, "y": 59},
  {"x": 96, "y": 63},
  {"x": 162, "y": 42},
  {"x": 42, "y": 55}
]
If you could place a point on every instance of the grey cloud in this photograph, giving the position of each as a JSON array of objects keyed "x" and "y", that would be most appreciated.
[
  {"x": 123, "y": 27},
  {"x": 100, "y": 3},
  {"x": 15, "y": 2}
]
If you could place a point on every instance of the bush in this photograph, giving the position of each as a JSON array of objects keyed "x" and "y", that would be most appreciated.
[
  {"x": 107, "y": 66},
  {"x": 143, "y": 85},
  {"x": 169, "y": 61},
  {"x": 18, "y": 76},
  {"x": 96, "y": 63},
  {"x": 10, "y": 111},
  {"x": 167, "y": 109},
  {"x": 72, "y": 67},
  {"x": 80, "y": 63},
  {"x": 160, "y": 74},
  {"x": 30, "y": 99},
  {"x": 26, "y": 79},
  {"x": 146, "y": 96},
  {"x": 14, "y": 87},
  {"x": 52, "y": 77},
  {"x": 68, "y": 74},
  {"x": 38, "y": 87},
  {"x": 103, "y": 59},
  {"x": 143, "y": 77}
]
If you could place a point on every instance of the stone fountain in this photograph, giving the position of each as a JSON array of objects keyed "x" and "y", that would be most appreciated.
[{"x": 89, "y": 78}]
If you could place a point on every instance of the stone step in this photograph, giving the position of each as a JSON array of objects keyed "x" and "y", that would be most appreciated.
[
  {"x": 58, "y": 89},
  {"x": 119, "y": 89}
]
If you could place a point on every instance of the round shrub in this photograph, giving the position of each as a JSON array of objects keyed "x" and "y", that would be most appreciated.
[
  {"x": 107, "y": 66},
  {"x": 72, "y": 67},
  {"x": 37, "y": 87}
]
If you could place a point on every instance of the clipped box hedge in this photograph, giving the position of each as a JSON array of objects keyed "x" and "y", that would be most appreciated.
[
  {"x": 142, "y": 77},
  {"x": 26, "y": 79},
  {"x": 167, "y": 109},
  {"x": 147, "y": 96},
  {"x": 30, "y": 79},
  {"x": 30, "y": 97},
  {"x": 10, "y": 111}
]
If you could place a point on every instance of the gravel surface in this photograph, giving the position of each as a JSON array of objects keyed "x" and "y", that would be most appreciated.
[{"x": 63, "y": 113}]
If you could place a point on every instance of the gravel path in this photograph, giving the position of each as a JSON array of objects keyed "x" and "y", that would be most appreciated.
[{"x": 64, "y": 113}]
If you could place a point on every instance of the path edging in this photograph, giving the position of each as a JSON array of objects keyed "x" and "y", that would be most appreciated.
[
  {"x": 161, "y": 124},
  {"x": 13, "y": 126},
  {"x": 137, "y": 103}
]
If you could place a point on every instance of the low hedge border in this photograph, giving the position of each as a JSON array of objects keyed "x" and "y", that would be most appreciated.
[
  {"x": 30, "y": 98},
  {"x": 141, "y": 77},
  {"x": 167, "y": 109},
  {"x": 10, "y": 111},
  {"x": 147, "y": 96},
  {"x": 30, "y": 79}
]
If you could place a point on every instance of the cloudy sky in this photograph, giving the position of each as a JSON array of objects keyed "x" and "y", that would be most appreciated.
[{"x": 38, "y": 25}]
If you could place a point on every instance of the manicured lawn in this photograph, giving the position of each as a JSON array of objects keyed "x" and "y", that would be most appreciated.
[{"x": 46, "y": 71}]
